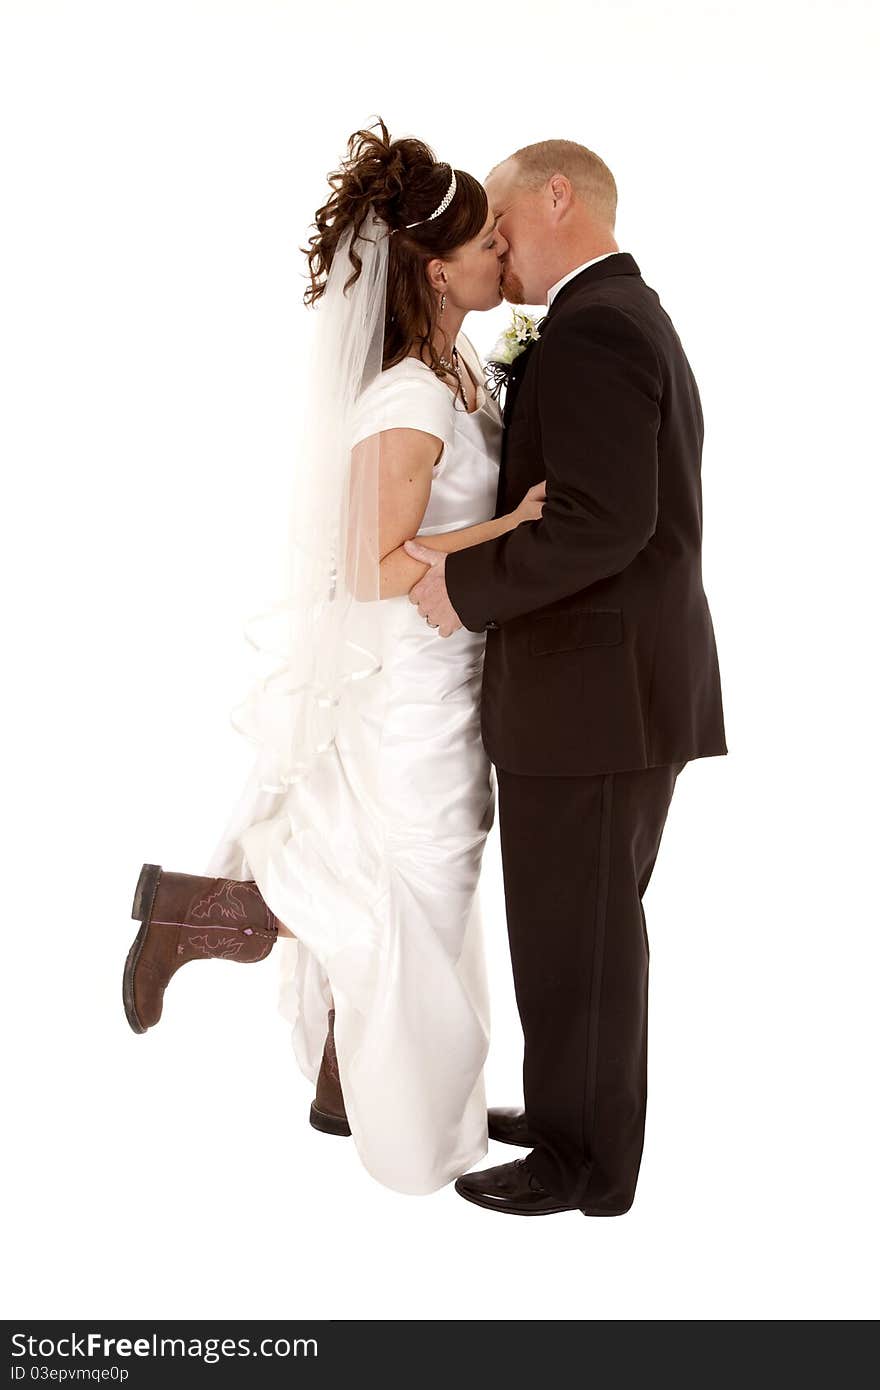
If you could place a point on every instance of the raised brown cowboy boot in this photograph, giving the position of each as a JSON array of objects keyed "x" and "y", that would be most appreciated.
[
  {"x": 185, "y": 917},
  {"x": 328, "y": 1109}
]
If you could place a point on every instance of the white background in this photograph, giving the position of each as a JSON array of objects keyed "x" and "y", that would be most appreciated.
[{"x": 161, "y": 163}]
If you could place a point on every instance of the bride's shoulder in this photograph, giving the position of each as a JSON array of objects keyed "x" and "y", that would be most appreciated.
[
  {"x": 409, "y": 377},
  {"x": 405, "y": 394}
]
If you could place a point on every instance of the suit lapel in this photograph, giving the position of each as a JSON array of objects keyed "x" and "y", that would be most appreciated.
[
  {"x": 619, "y": 263},
  {"x": 517, "y": 371}
]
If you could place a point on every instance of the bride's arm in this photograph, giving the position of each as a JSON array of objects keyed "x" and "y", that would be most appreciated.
[
  {"x": 399, "y": 572},
  {"x": 406, "y": 461}
]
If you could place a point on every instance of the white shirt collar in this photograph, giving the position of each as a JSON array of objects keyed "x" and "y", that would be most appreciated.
[{"x": 554, "y": 289}]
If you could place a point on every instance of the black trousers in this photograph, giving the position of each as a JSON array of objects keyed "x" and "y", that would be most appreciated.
[{"x": 577, "y": 854}]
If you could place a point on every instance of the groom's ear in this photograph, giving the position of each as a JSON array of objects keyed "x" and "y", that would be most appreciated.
[{"x": 560, "y": 192}]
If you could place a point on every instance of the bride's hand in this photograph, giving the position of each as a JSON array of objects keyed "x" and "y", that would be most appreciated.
[{"x": 532, "y": 505}]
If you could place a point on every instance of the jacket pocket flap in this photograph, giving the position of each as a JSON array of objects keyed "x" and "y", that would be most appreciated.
[{"x": 584, "y": 627}]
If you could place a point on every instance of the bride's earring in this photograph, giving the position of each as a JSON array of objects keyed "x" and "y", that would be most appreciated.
[{"x": 442, "y": 302}]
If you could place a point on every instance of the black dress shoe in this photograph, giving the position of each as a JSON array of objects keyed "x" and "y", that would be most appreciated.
[
  {"x": 510, "y": 1187},
  {"x": 508, "y": 1126}
]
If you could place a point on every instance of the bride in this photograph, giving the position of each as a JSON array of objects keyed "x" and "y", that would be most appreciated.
[{"x": 359, "y": 836}]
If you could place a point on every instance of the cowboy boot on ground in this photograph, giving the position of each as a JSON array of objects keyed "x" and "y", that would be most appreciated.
[
  {"x": 328, "y": 1108},
  {"x": 186, "y": 917}
]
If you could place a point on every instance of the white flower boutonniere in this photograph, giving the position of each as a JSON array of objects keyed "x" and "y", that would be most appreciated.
[
  {"x": 522, "y": 331},
  {"x": 515, "y": 339}
]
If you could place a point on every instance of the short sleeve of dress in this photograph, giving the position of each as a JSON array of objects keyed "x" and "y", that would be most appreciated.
[{"x": 407, "y": 396}]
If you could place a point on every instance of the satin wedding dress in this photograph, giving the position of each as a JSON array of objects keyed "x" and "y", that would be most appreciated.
[{"x": 376, "y": 871}]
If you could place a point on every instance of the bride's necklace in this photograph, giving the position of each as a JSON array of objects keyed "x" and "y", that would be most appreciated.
[{"x": 455, "y": 366}]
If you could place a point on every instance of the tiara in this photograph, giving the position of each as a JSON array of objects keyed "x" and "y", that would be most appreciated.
[{"x": 450, "y": 194}]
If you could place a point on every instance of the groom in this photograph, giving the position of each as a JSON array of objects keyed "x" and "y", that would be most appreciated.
[{"x": 601, "y": 676}]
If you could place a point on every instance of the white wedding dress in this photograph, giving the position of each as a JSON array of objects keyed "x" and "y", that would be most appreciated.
[{"x": 377, "y": 875}]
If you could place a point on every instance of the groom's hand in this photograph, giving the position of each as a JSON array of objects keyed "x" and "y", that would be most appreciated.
[{"x": 430, "y": 592}]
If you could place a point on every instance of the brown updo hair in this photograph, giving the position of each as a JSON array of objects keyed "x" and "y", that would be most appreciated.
[{"x": 403, "y": 182}]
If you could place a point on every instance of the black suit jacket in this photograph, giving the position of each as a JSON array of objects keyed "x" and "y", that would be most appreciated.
[{"x": 600, "y": 654}]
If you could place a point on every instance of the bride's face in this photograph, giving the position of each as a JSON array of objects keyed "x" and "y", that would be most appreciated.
[{"x": 474, "y": 270}]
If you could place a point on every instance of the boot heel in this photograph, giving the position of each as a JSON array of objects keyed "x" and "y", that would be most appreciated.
[
  {"x": 328, "y": 1124},
  {"x": 142, "y": 906},
  {"x": 145, "y": 891}
]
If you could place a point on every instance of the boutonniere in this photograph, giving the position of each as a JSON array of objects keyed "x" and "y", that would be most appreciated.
[{"x": 522, "y": 331}]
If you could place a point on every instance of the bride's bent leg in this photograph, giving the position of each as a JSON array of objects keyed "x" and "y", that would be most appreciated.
[
  {"x": 188, "y": 917},
  {"x": 328, "y": 1108}
]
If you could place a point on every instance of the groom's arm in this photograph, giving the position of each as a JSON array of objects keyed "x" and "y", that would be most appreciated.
[{"x": 599, "y": 412}]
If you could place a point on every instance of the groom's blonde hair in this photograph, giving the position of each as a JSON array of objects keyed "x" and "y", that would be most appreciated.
[{"x": 589, "y": 176}]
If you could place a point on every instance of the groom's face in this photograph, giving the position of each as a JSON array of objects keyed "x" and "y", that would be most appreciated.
[{"x": 523, "y": 224}]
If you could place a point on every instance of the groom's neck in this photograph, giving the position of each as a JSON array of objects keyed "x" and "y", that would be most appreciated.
[{"x": 577, "y": 252}]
